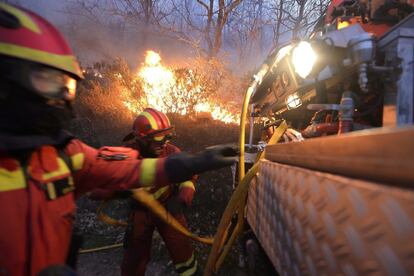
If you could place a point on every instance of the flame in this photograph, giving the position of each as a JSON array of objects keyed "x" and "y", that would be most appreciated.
[
  {"x": 152, "y": 58},
  {"x": 157, "y": 80},
  {"x": 217, "y": 113},
  {"x": 168, "y": 93}
]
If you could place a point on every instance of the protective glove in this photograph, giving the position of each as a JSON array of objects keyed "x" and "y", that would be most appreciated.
[
  {"x": 186, "y": 195},
  {"x": 182, "y": 166}
]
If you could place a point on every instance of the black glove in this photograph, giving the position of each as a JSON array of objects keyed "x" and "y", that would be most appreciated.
[{"x": 181, "y": 167}]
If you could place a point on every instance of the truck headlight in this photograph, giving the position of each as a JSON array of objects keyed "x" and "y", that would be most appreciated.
[{"x": 303, "y": 59}]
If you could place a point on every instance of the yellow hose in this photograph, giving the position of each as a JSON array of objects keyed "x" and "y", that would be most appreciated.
[
  {"x": 96, "y": 249},
  {"x": 222, "y": 233},
  {"x": 144, "y": 198},
  {"x": 107, "y": 219},
  {"x": 157, "y": 209},
  {"x": 236, "y": 206},
  {"x": 257, "y": 79},
  {"x": 242, "y": 137}
]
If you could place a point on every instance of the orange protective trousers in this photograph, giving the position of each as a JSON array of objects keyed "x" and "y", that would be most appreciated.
[{"x": 138, "y": 242}]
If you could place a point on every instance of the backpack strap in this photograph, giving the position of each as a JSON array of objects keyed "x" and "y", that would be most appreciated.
[
  {"x": 63, "y": 186},
  {"x": 68, "y": 161}
]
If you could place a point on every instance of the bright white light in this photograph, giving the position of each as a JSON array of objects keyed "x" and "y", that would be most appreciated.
[
  {"x": 293, "y": 101},
  {"x": 282, "y": 53},
  {"x": 303, "y": 59}
]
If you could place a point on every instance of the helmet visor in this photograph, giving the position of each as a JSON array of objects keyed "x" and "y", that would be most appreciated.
[
  {"x": 161, "y": 136},
  {"x": 163, "y": 139},
  {"x": 53, "y": 84}
]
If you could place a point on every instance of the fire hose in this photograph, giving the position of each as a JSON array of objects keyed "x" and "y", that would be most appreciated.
[
  {"x": 223, "y": 240},
  {"x": 144, "y": 198},
  {"x": 236, "y": 206}
]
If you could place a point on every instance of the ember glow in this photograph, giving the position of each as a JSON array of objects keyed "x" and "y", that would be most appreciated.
[{"x": 167, "y": 92}]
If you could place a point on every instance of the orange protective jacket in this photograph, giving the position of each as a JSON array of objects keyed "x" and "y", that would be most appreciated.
[
  {"x": 37, "y": 199},
  {"x": 160, "y": 192}
]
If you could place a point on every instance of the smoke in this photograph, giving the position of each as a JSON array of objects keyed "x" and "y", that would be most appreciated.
[
  {"x": 95, "y": 36},
  {"x": 93, "y": 42}
]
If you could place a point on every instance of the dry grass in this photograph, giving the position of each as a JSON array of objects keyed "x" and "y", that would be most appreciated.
[{"x": 104, "y": 119}]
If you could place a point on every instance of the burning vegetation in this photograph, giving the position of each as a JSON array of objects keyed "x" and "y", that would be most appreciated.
[
  {"x": 183, "y": 91},
  {"x": 112, "y": 94}
]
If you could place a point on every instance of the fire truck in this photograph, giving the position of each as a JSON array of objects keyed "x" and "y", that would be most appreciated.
[{"x": 333, "y": 191}]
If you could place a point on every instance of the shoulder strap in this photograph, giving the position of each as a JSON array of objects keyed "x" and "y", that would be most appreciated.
[{"x": 68, "y": 161}]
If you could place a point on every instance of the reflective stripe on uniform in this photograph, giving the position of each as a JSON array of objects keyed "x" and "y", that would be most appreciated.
[
  {"x": 77, "y": 161},
  {"x": 51, "y": 191},
  {"x": 187, "y": 184},
  {"x": 15, "y": 179},
  {"x": 62, "y": 170},
  {"x": 12, "y": 180},
  {"x": 24, "y": 18},
  {"x": 187, "y": 268},
  {"x": 148, "y": 171}
]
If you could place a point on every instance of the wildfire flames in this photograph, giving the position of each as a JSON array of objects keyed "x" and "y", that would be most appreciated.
[{"x": 167, "y": 92}]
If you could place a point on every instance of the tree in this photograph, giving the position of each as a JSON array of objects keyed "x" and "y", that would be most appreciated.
[
  {"x": 205, "y": 22},
  {"x": 301, "y": 15},
  {"x": 209, "y": 27},
  {"x": 140, "y": 15}
]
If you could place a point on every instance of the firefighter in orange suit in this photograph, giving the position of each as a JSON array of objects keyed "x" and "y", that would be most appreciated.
[
  {"x": 152, "y": 131},
  {"x": 42, "y": 168}
]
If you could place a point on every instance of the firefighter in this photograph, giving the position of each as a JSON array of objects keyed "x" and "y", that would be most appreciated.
[
  {"x": 43, "y": 169},
  {"x": 153, "y": 131}
]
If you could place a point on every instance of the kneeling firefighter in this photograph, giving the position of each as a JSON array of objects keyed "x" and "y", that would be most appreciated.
[
  {"x": 43, "y": 169},
  {"x": 153, "y": 132}
]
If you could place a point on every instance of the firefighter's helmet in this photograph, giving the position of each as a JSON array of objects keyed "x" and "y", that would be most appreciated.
[
  {"x": 38, "y": 56},
  {"x": 152, "y": 124}
]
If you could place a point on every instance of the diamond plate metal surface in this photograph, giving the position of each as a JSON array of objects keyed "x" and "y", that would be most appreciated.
[{"x": 312, "y": 223}]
